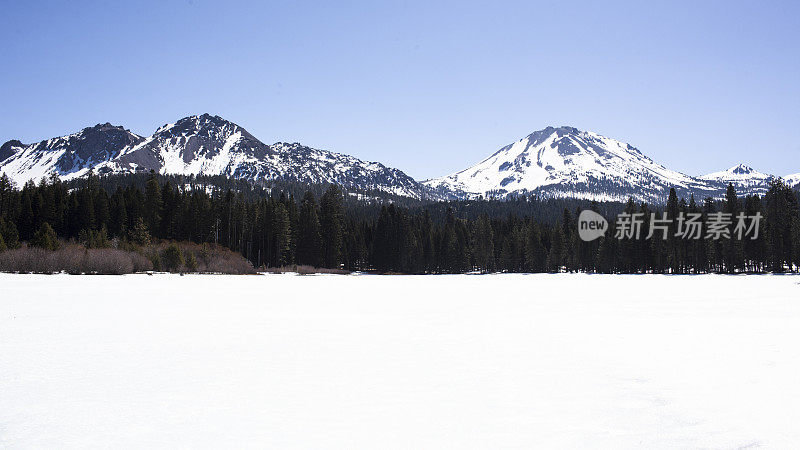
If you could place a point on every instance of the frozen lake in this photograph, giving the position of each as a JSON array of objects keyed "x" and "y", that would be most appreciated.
[{"x": 462, "y": 361}]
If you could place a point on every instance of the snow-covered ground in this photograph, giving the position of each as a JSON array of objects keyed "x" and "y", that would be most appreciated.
[{"x": 500, "y": 361}]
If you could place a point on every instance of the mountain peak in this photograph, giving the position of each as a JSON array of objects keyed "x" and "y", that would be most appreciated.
[
  {"x": 743, "y": 177},
  {"x": 741, "y": 169},
  {"x": 204, "y": 118},
  {"x": 203, "y": 124},
  {"x": 9, "y": 149},
  {"x": 567, "y": 129},
  {"x": 104, "y": 127},
  {"x": 550, "y": 130},
  {"x": 12, "y": 143},
  {"x": 567, "y": 162}
]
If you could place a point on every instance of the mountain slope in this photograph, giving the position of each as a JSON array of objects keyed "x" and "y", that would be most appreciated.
[
  {"x": 210, "y": 145},
  {"x": 792, "y": 180},
  {"x": 567, "y": 162},
  {"x": 196, "y": 145},
  {"x": 202, "y": 145},
  {"x": 68, "y": 156}
]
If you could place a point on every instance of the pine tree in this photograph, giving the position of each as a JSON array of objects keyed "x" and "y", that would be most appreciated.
[
  {"x": 10, "y": 235},
  {"x": 153, "y": 204},
  {"x": 796, "y": 243},
  {"x": 102, "y": 212},
  {"x": 330, "y": 219},
  {"x": 733, "y": 252},
  {"x": 46, "y": 238},
  {"x": 6, "y": 191},
  {"x": 673, "y": 258},
  {"x": 27, "y": 220},
  {"x": 119, "y": 216},
  {"x": 697, "y": 256},
  {"x": 3, "y": 246},
  {"x": 309, "y": 246},
  {"x": 714, "y": 248},
  {"x": 555, "y": 258},
  {"x": 282, "y": 235},
  {"x": 139, "y": 233},
  {"x": 569, "y": 244},
  {"x": 387, "y": 240},
  {"x": 535, "y": 252},
  {"x": 483, "y": 244},
  {"x": 85, "y": 213},
  {"x": 754, "y": 249},
  {"x": 780, "y": 211},
  {"x": 608, "y": 253},
  {"x": 629, "y": 246},
  {"x": 172, "y": 258},
  {"x": 191, "y": 262}
]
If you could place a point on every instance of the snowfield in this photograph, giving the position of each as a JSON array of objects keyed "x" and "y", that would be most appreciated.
[{"x": 498, "y": 361}]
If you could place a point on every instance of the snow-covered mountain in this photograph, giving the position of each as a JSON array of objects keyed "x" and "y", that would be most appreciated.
[
  {"x": 744, "y": 178},
  {"x": 553, "y": 162},
  {"x": 201, "y": 145},
  {"x": 567, "y": 162},
  {"x": 69, "y": 156}
]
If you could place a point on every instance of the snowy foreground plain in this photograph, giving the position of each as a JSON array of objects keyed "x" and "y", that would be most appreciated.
[{"x": 498, "y": 361}]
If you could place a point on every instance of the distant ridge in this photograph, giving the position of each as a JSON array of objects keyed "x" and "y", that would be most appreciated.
[
  {"x": 201, "y": 145},
  {"x": 553, "y": 162}
]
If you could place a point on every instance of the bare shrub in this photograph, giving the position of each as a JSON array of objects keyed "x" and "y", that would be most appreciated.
[
  {"x": 228, "y": 262},
  {"x": 108, "y": 262},
  {"x": 77, "y": 259},
  {"x": 333, "y": 271},
  {"x": 27, "y": 260},
  {"x": 73, "y": 259},
  {"x": 140, "y": 262},
  {"x": 203, "y": 258},
  {"x": 304, "y": 270}
]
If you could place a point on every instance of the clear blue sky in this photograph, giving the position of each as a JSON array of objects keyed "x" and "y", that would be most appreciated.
[{"x": 427, "y": 87}]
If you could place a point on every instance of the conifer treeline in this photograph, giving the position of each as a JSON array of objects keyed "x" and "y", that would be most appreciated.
[{"x": 325, "y": 231}]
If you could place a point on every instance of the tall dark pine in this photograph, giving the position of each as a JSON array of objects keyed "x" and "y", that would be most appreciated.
[
  {"x": 733, "y": 254},
  {"x": 153, "y": 204},
  {"x": 629, "y": 250},
  {"x": 483, "y": 244},
  {"x": 330, "y": 219},
  {"x": 780, "y": 214},
  {"x": 696, "y": 253},
  {"x": 713, "y": 248},
  {"x": 309, "y": 245},
  {"x": 672, "y": 248},
  {"x": 754, "y": 249},
  {"x": 282, "y": 235}
]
